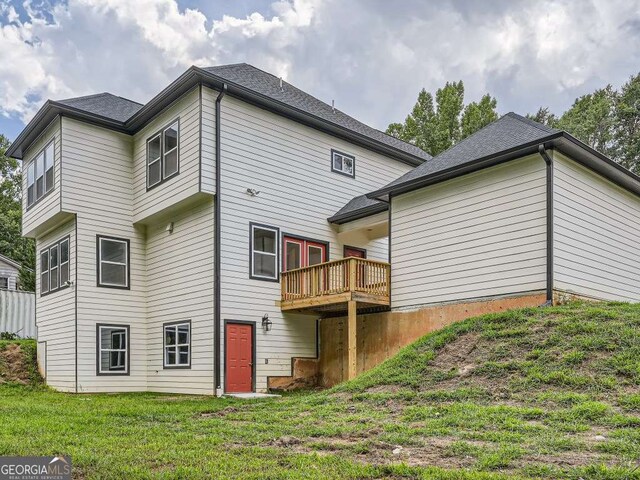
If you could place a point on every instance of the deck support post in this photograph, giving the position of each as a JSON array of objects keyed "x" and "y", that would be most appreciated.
[{"x": 352, "y": 354}]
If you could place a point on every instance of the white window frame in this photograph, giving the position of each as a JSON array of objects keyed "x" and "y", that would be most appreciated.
[
  {"x": 55, "y": 246},
  {"x": 252, "y": 251},
  {"x": 66, "y": 264},
  {"x": 335, "y": 154},
  {"x": 100, "y": 349},
  {"x": 35, "y": 173},
  {"x": 126, "y": 263},
  {"x": 175, "y": 124},
  {"x": 174, "y": 326},
  {"x": 5, "y": 281}
]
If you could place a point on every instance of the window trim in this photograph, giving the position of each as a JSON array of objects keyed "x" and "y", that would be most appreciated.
[
  {"x": 341, "y": 172},
  {"x": 99, "y": 262},
  {"x": 7, "y": 280},
  {"x": 164, "y": 345},
  {"x": 99, "y": 371},
  {"x": 305, "y": 248},
  {"x": 44, "y": 176},
  {"x": 252, "y": 226},
  {"x": 48, "y": 250},
  {"x": 160, "y": 133}
]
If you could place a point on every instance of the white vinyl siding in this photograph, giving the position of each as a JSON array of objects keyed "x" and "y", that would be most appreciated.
[
  {"x": 596, "y": 226},
  {"x": 42, "y": 214},
  {"x": 180, "y": 286},
  {"x": 11, "y": 273},
  {"x": 289, "y": 164},
  {"x": 97, "y": 185},
  {"x": 475, "y": 236},
  {"x": 208, "y": 167},
  {"x": 55, "y": 317},
  {"x": 181, "y": 186}
]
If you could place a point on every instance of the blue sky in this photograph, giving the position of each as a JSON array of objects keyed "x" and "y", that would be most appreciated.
[{"x": 370, "y": 56}]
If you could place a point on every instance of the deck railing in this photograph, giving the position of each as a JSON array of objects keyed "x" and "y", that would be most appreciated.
[{"x": 335, "y": 277}]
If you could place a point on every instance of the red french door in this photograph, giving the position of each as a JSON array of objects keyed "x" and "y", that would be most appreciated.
[{"x": 300, "y": 253}]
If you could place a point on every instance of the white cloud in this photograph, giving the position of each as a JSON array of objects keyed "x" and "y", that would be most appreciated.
[{"x": 371, "y": 56}]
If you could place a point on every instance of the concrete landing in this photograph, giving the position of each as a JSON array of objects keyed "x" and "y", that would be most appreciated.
[{"x": 251, "y": 395}]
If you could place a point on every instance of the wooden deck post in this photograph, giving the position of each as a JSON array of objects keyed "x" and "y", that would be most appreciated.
[{"x": 352, "y": 366}]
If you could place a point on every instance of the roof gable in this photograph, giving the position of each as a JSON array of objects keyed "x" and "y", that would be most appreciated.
[
  {"x": 105, "y": 105},
  {"x": 509, "y": 131},
  {"x": 242, "y": 80}
]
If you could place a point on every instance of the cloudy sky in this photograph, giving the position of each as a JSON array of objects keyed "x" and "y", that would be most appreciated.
[{"x": 370, "y": 56}]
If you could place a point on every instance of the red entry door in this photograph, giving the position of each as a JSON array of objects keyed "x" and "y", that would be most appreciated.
[{"x": 239, "y": 358}]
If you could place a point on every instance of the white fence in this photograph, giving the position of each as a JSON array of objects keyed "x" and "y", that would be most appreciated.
[{"x": 18, "y": 313}]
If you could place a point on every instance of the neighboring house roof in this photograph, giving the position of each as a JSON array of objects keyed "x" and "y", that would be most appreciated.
[
  {"x": 358, "y": 207},
  {"x": 511, "y": 136},
  {"x": 105, "y": 105},
  {"x": 240, "y": 80},
  {"x": 10, "y": 262}
]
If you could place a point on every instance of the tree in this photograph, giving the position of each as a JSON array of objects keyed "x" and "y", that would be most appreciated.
[
  {"x": 12, "y": 244},
  {"x": 477, "y": 115},
  {"x": 544, "y": 116},
  {"x": 434, "y": 129},
  {"x": 627, "y": 125},
  {"x": 591, "y": 119}
]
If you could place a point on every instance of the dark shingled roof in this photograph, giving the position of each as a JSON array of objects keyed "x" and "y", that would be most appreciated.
[
  {"x": 266, "y": 84},
  {"x": 358, "y": 207},
  {"x": 104, "y": 104},
  {"x": 509, "y": 131}
]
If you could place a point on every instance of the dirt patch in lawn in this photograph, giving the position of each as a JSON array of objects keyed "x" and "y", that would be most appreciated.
[{"x": 14, "y": 367}]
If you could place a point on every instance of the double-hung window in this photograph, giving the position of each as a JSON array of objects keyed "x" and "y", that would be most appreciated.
[
  {"x": 163, "y": 150},
  {"x": 264, "y": 252},
  {"x": 54, "y": 267},
  {"x": 113, "y": 262},
  {"x": 177, "y": 345},
  {"x": 40, "y": 175},
  {"x": 343, "y": 164},
  {"x": 112, "y": 349},
  {"x": 4, "y": 283}
]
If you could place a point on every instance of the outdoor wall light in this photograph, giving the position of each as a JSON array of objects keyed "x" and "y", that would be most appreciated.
[{"x": 266, "y": 323}]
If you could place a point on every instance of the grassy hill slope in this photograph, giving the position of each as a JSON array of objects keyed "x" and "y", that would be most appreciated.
[{"x": 549, "y": 393}]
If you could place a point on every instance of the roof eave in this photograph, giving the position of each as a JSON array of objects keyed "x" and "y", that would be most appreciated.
[
  {"x": 339, "y": 219},
  {"x": 306, "y": 118},
  {"x": 478, "y": 164},
  {"x": 562, "y": 141},
  {"x": 49, "y": 111}
]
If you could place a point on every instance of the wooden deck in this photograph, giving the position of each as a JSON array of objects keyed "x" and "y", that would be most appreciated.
[
  {"x": 330, "y": 286},
  {"x": 348, "y": 286}
]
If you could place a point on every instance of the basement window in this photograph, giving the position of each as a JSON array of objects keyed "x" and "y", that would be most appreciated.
[
  {"x": 40, "y": 175},
  {"x": 163, "y": 155},
  {"x": 54, "y": 267},
  {"x": 113, "y": 262},
  {"x": 343, "y": 164},
  {"x": 113, "y": 349},
  {"x": 177, "y": 345},
  {"x": 264, "y": 252}
]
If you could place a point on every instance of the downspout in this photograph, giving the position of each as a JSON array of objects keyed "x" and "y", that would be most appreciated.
[
  {"x": 549, "y": 162},
  {"x": 216, "y": 242}
]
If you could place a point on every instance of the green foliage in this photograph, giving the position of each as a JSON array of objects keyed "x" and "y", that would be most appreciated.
[
  {"x": 12, "y": 244},
  {"x": 437, "y": 126},
  {"x": 500, "y": 420},
  {"x": 607, "y": 120},
  {"x": 627, "y": 123}
]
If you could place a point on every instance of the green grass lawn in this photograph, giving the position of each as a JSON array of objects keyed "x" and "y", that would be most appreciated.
[{"x": 551, "y": 393}]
